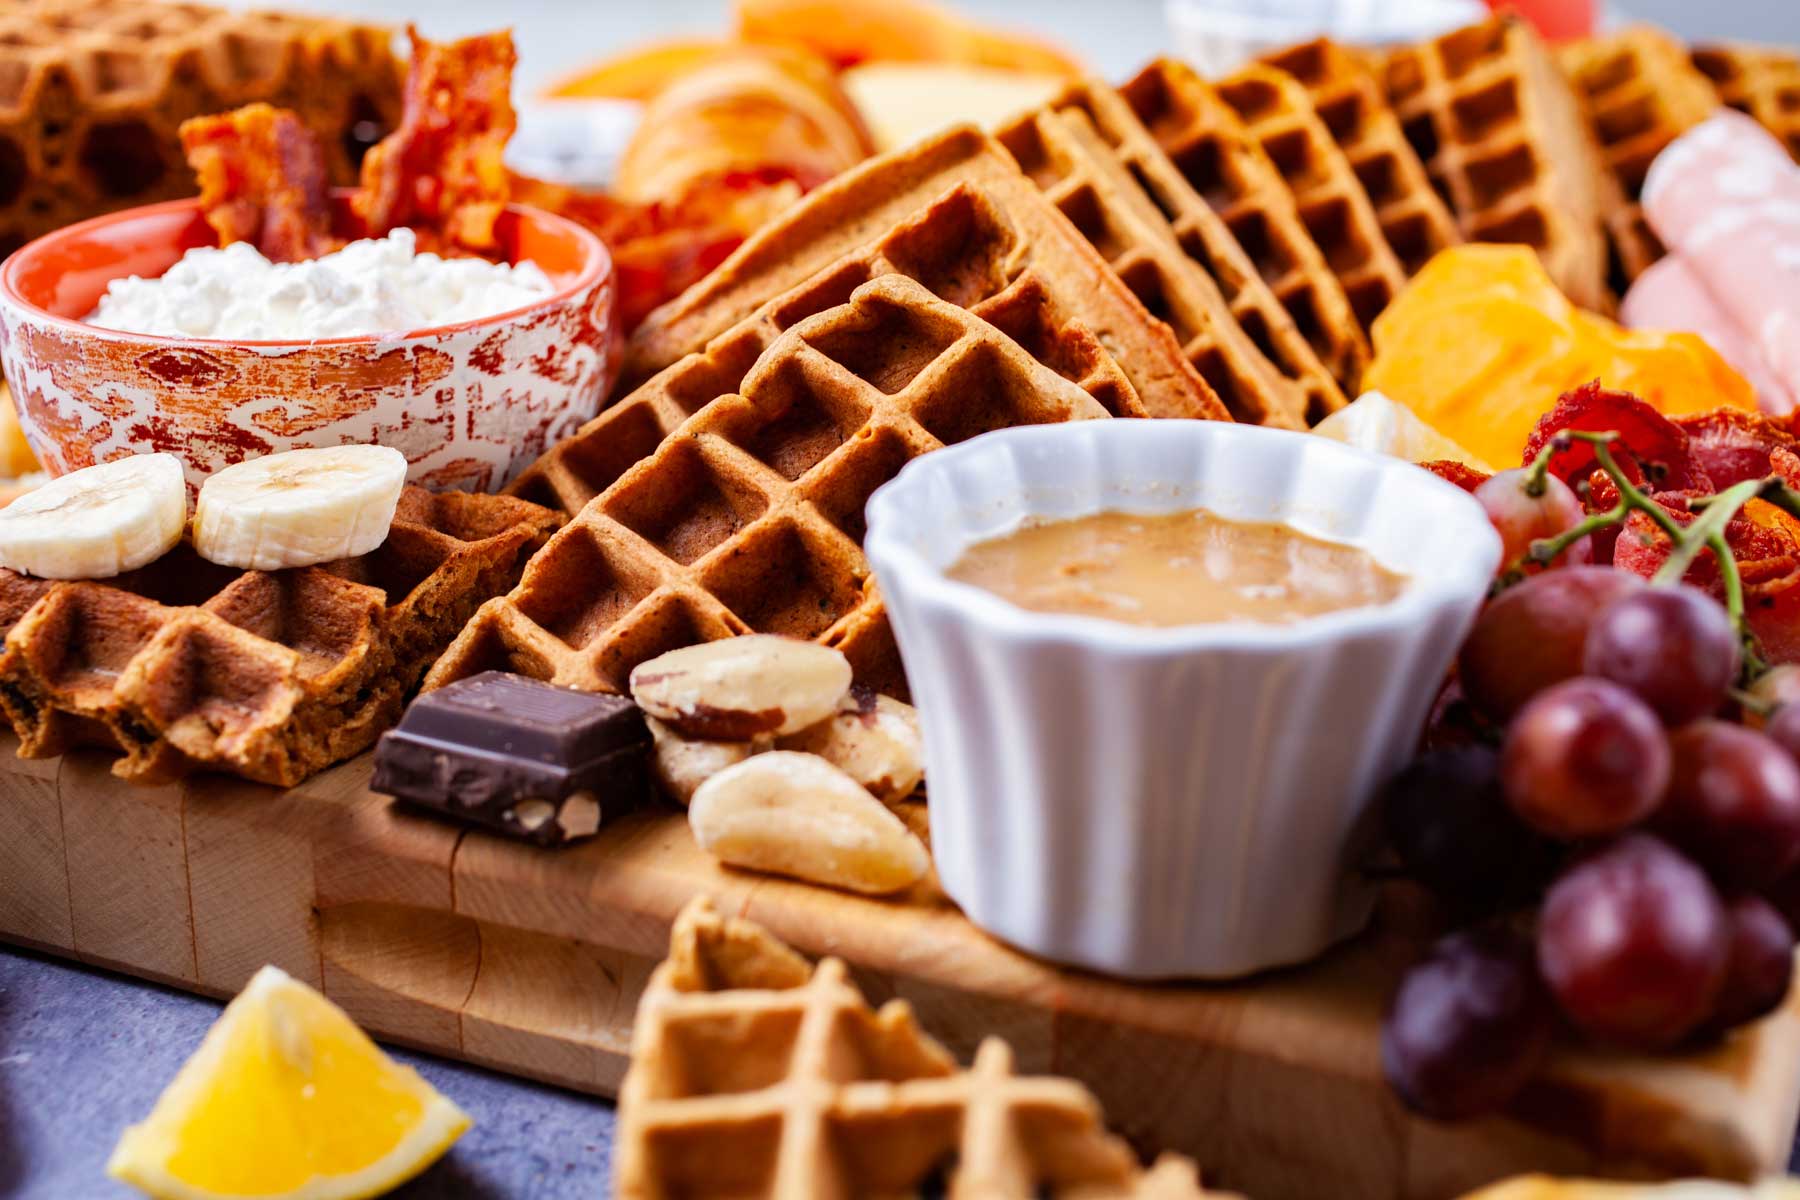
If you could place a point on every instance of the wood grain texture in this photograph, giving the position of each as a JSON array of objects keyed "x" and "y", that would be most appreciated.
[{"x": 532, "y": 961}]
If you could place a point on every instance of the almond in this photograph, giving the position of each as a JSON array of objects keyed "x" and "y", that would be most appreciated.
[
  {"x": 682, "y": 764},
  {"x": 795, "y": 814},
  {"x": 742, "y": 688},
  {"x": 873, "y": 739}
]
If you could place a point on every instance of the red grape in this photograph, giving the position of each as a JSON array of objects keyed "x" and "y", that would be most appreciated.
[
  {"x": 1532, "y": 635},
  {"x": 1468, "y": 1027},
  {"x": 1733, "y": 803},
  {"x": 1778, "y": 687},
  {"x": 1783, "y": 728},
  {"x": 1449, "y": 823},
  {"x": 1585, "y": 758},
  {"x": 1674, "y": 646},
  {"x": 1521, "y": 518},
  {"x": 1634, "y": 944},
  {"x": 1762, "y": 963}
]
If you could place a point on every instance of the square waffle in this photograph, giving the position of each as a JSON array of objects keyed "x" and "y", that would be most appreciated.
[
  {"x": 1223, "y": 166},
  {"x": 749, "y": 516},
  {"x": 1349, "y": 99},
  {"x": 92, "y": 93},
  {"x": 1502, "y": 134},
  {"x": 752, "y": 1076},
  {"x": 1279, "y": 112},
  {"x": 1640, "y": 92},
  {"x": 845, "y": 216},
  {"x": 186, "y": 665},
  {"x": 1759, "y": 80}
]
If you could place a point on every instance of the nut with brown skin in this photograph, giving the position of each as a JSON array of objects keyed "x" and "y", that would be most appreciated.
[
  {"x": 795, "y": 814},
  {"x": 742, "y": 688},
  {"x": 681, "y": 764},
  {"x": 873, "y": 739}
]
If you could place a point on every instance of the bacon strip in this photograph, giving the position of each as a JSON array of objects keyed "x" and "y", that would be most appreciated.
[{"x": 262, "y": 180}]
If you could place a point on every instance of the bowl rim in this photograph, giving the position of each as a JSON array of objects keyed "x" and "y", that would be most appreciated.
[
  {"x": 902, "y": 568},
  {"x": 597, "y": 270}
]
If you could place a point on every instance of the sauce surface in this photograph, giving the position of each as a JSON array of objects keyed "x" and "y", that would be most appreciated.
[{"x": 1187, "y": 568}]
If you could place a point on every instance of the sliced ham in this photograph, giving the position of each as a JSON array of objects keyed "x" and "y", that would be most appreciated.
[{"x": 1671, "y": 295}]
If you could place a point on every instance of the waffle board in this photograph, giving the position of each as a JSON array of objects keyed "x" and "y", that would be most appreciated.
[{"x": 532, "y": 961}]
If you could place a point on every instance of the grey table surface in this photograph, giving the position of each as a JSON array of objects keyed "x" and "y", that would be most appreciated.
[{"x": 83, "y": 1052}]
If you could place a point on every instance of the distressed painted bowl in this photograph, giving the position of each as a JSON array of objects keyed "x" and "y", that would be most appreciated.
[{"x": 470, "y": 405}]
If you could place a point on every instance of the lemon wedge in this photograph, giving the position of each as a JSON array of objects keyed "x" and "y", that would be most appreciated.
[
  {"x": 286, "y": 1097},
  {"x": 1376, "y": 423}
]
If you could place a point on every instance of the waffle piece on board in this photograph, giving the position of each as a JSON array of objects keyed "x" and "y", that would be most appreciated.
[
  {"x": 1504, "y": 138},
  {"x": 1224, "y": 164},
  {"x": 92, "y": 93},
  {"x": 1063, "y": 152},
  {"x": 753, "y": 1076},
  {"x": 1338, "y": 213},
  {"x": 1349, "y": 99},
  {"x": 185, "y": 665},
  {"x": 749, "y": 516},
  {"x": 1640, "y": 92},
  {"x": 1760, "y": 80},
  {"x": 845, "y": 216}
]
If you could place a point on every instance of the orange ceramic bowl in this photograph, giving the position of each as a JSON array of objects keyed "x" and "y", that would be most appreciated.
[{"x": 470, "y": 405}]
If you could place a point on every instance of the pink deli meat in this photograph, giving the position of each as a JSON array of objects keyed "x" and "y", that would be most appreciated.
[{"x": 1671, "y": 295}]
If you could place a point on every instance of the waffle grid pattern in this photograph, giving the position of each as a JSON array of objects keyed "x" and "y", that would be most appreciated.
[
  {"x": 1758, "y": 80},
  {"x": 93, "y": 92}
]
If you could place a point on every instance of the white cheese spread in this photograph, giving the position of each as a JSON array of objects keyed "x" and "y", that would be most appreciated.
[{"x": 382, "y": 285}]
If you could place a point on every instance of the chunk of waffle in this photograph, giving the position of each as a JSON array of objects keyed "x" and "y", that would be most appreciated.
[
  {"x": 185, "y": 665},
  {"x": 1349, "y": 99},
  {"x": 843, "y": 218},
  {"x": 92, "y": 93},
  {"x": 1065, "y": 155},
  {"x": 749, "y": 516},
  {"x": 1223, "y": 165},
  {"x": 1337, "y": 211},
  {"x": 752, "y": 1076},
  {"x": 1503, "y": 136},
  {"x": 1640, "y": 92},
  {"x": 1760, "y": 80}
]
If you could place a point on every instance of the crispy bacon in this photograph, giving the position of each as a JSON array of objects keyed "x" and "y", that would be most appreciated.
[
  {"x": 262, "y": 180},
  {"x": 1650, "y": 443},
  {"x": 441, "y": 169},
  {"x": 1461, "y": 474}
]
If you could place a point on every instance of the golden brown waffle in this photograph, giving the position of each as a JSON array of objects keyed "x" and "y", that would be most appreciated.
[
  {"x": 1065, "y": 155},
  {"x": 1279, "y": 113},
  {"x": 1223, "y": 166},
  {"x": 1348, "y": 98},
  {"x": 1640, "y": 93},
  {"x": 842, "y": 219},
  {"x": 93, "y": 91},
  {"x": 1504, "y": 139},
  {"x": 749, "y": 516},
  {"x": 185, "y": 665},
  {"x": 1760, "y": 80},
  {"x": 753, "y": 1077}
]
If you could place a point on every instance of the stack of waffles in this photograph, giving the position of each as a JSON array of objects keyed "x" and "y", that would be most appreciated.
[
  {"x": 753, "y": 1075},
  {"x": 1759, "y": 80},
  {"x": 185, "y": 665},
  {"x": 92, "y": 93}
]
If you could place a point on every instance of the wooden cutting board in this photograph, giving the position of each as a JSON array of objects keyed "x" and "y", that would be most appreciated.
[{"x": 531, "y": 961}]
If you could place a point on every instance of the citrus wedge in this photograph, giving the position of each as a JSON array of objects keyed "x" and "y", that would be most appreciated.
[{"x": 286, "y": 1097}]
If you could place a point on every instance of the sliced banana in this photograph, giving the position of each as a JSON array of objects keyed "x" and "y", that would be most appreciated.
[
  {"x": 97, "y": 522},
  {"x": 299, "y": 507}
]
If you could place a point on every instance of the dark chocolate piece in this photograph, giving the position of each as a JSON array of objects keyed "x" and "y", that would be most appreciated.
[{"x": 531, "y": 760}]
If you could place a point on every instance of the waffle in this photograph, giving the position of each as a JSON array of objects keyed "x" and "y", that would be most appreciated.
[
  {"x": 186, "y": 665},
  {"x": 1503, "y": 137},
  {"x": 752, "y": 1076},
  {"x": 1063, "y": 152},
  {"x": 845, "y": 216},
  {"x": 1759, "y": 80},
  {"x": 1348, "y": 98},
  {"x": 1640, "y": 93},
  {"x": 1279, "y": 113},
  {"x": 748, "y": 517},
  {"x": 1222, "y": 165},
  {"x": 93, "y": 91}
]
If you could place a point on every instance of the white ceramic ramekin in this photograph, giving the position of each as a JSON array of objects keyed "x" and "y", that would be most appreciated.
[{"x": 1162, "y": 803}]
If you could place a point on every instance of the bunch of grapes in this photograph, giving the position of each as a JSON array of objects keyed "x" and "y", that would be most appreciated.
[{"x": 1625, "y": 855}]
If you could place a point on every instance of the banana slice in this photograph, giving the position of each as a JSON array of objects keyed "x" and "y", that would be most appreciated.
[
  {"x": 97, "y": 522},
  {"x": 299, "y": 507}
]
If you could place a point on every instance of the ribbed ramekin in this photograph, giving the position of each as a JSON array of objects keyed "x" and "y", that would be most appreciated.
[{"x": 1157, "y": 803}]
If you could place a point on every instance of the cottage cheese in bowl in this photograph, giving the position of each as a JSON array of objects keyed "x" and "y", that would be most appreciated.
[{"x": 377, "y": 286}]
